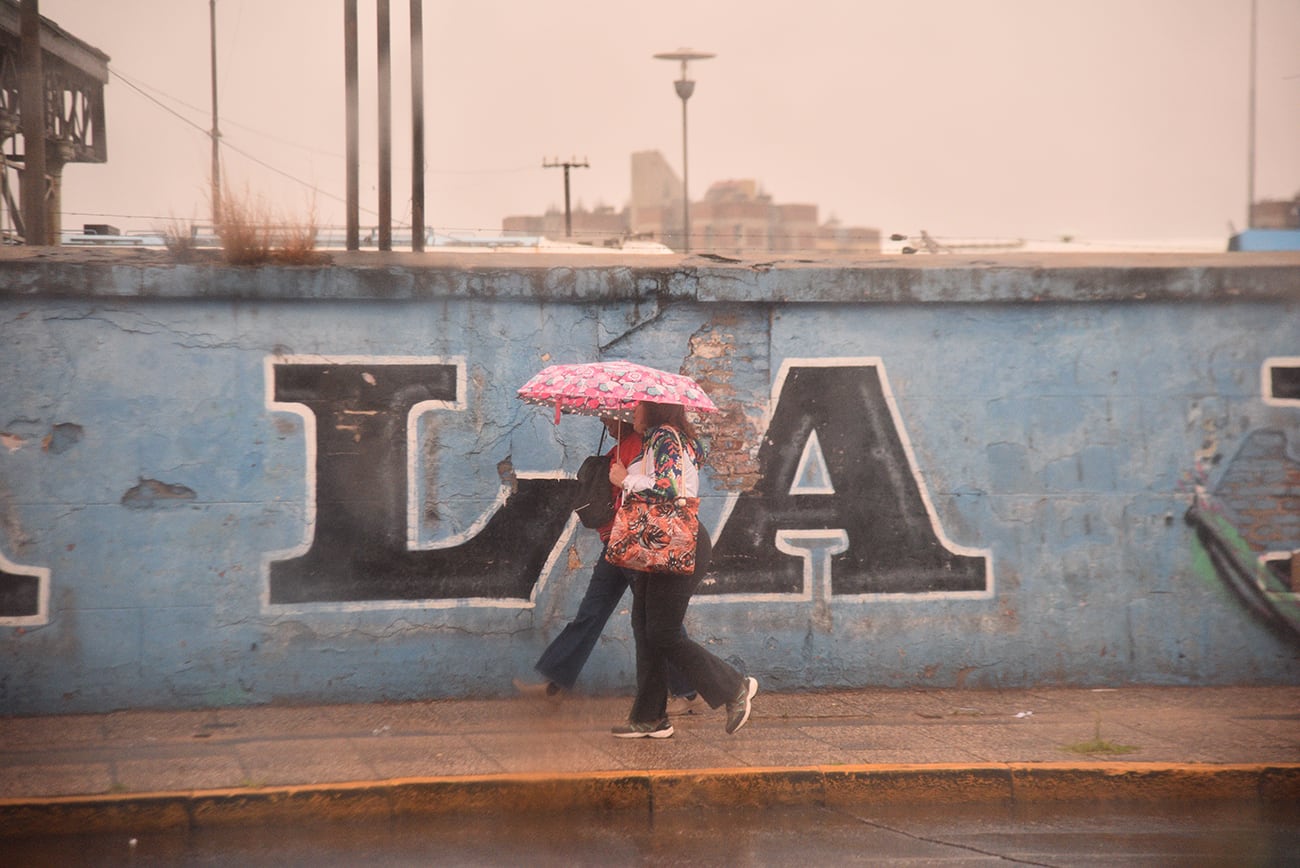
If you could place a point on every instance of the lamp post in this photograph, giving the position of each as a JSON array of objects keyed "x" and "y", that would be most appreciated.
[{"x": 685, "y": 87}]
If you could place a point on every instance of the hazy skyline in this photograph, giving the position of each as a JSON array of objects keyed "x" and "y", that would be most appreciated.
[{"x": 995, "y": 118}]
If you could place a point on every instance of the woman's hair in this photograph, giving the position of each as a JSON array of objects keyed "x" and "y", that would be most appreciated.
[{"x": 670, "y": 414}]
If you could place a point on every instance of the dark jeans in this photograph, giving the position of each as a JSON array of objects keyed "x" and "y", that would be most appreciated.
[
  {"x": 564, "y": 658},
  {"x": 659, "y": 602}
]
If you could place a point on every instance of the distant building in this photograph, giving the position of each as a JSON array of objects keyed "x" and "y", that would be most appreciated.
[
  {"x": 594, "y": 226},
  {"x": 1275, "y": 214},
  {"x": 656, "y": 206},
  {"x": 1274, "y": 225},
  {"x": 734, "y": 218}
]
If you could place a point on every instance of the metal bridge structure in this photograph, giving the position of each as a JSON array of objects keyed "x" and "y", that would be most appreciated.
[{"x": 44, "y": 67}]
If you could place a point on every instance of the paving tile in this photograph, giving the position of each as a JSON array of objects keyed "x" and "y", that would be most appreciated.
[
  {"x": 303, "y": 761},
  {"x": 268, "y": 721},
  {"x": 55, "y": 779},
  {"x": 145, "y": 727},
  {"x": 22, "y": 732},
  {"x": 857, "y": 738},
  {"x": 164, "y": 774},
  {"x": 258, "y": 746},
  {"x": 1209, "y": 740},
  {"x": 424, "y": 756},
  {"x": 797, "y": 706},
  {"x": 403, "y": 717},
  {"x": 790, "y": 756},
  {"x": 1028, "y": 742},
  {"x": 514, "y": 752},
  {"x": 685, "y": 750},
  {"x": 1284, "y": 730}
]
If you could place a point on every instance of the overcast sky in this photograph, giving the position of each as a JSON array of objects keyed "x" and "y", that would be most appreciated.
[{"x": 992, "y": 118}]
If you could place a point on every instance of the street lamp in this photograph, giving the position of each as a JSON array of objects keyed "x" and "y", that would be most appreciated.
[{"x": 685, "y": 87}]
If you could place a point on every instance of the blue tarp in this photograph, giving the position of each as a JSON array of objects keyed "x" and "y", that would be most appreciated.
[{"x": 1265, "y": 239}]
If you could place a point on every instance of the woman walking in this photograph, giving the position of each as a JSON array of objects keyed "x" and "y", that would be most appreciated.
[
  {"x": 668, "y": 469},
  {"x": 564, "y": 658}
]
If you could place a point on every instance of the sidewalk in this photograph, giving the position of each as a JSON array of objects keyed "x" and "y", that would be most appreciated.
[{"x": 153, "y": 769}]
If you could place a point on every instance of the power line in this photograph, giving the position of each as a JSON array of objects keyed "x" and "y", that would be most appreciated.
[
  {"x": 225, "y": 120},
  {"x": 226, "y": 144},
  {"x": 157, "y": 102},
  {"x": 140, "y": 88},
  {"x": 138, "y": 85}
]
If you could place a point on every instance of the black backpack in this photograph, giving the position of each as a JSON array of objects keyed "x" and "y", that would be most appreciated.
[{"x": 593, "y": 499}]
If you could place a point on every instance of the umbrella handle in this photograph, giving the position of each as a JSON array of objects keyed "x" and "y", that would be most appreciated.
[{"x": 557, "y": 412}]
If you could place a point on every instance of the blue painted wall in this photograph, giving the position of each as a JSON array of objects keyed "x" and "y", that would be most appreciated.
[{"x": 1041, "y": 428}]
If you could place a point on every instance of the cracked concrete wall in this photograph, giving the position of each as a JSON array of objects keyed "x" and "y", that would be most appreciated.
[{"x": 1055, "y": 421}]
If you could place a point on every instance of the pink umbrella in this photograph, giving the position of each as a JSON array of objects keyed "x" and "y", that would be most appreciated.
[{"x": 611, "y": 389}]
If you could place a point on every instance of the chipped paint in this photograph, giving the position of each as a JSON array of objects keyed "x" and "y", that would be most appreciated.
[
  {"x": 62, "y": 437},
  {"x": 153, "y": 494},
  {"x": 732, "y": 432}
]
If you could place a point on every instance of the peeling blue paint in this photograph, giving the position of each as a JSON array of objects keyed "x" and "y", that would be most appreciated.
[
  {"x": 62, "y": 437},
  {"x": 152, "y": 494}
]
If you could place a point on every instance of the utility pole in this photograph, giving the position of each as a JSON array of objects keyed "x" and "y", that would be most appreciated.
[
  {"x": 1250, "y": 145},
  {"x": 351, "y": 104},
  {"x": 417, "y": 126},
  {"x": 216, "y": 133},
  {"x": 571, "y": 164},
  {"x": 385, "y": 130}
]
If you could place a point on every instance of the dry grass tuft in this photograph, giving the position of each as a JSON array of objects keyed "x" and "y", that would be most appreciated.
[
  {"x": 178, "y": 238},
  {"x": 296, "y": 242},
  {"x": 250, "y": 235},
  {"x": 244, "y": 227}
]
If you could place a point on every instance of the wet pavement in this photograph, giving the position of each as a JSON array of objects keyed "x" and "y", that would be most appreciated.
[
  {"x": 191, "y": 769},
  {"x": 1195, "y": 834}
]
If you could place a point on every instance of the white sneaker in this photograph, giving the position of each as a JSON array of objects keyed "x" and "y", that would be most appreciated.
[
  {"x": 738, "y": 708},
  {"x": 662, "y": 729}
]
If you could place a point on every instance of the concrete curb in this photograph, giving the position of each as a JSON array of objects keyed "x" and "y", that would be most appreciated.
[{"x": 657, "y": 791}]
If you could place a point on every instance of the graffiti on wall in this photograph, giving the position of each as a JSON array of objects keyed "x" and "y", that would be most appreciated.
[
  {"x": 840, "y": 508},
  {"x": 24, "y": 594},
  {"x": 1280, "y": 378},
  {"x": 840, "y": 501},
  {"x": 359, "y": 417},
  {"x": 1248, "y": 524},
  {"x": 840, "y": 504},
  {"x": 1280, "y": 381}
]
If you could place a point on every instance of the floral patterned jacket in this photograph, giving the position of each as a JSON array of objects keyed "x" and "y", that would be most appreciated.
[{"x": 670, "y": 457}]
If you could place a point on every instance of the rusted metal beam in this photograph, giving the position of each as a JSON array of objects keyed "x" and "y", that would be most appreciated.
[
  {"x": 74, "y": 75},
  {"x": 58, "y": 44},
  {"x": 32, "y": 96},
  {"x": 52, "y": 96}
]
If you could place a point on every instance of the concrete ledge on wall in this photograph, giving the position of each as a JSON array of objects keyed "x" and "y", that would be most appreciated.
[{"x": 80, "y": 273}]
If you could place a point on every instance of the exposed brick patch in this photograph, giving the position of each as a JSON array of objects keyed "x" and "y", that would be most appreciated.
[
  {"x": 732, "y": 435},
  {"x": 1260, "y": 493}
]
